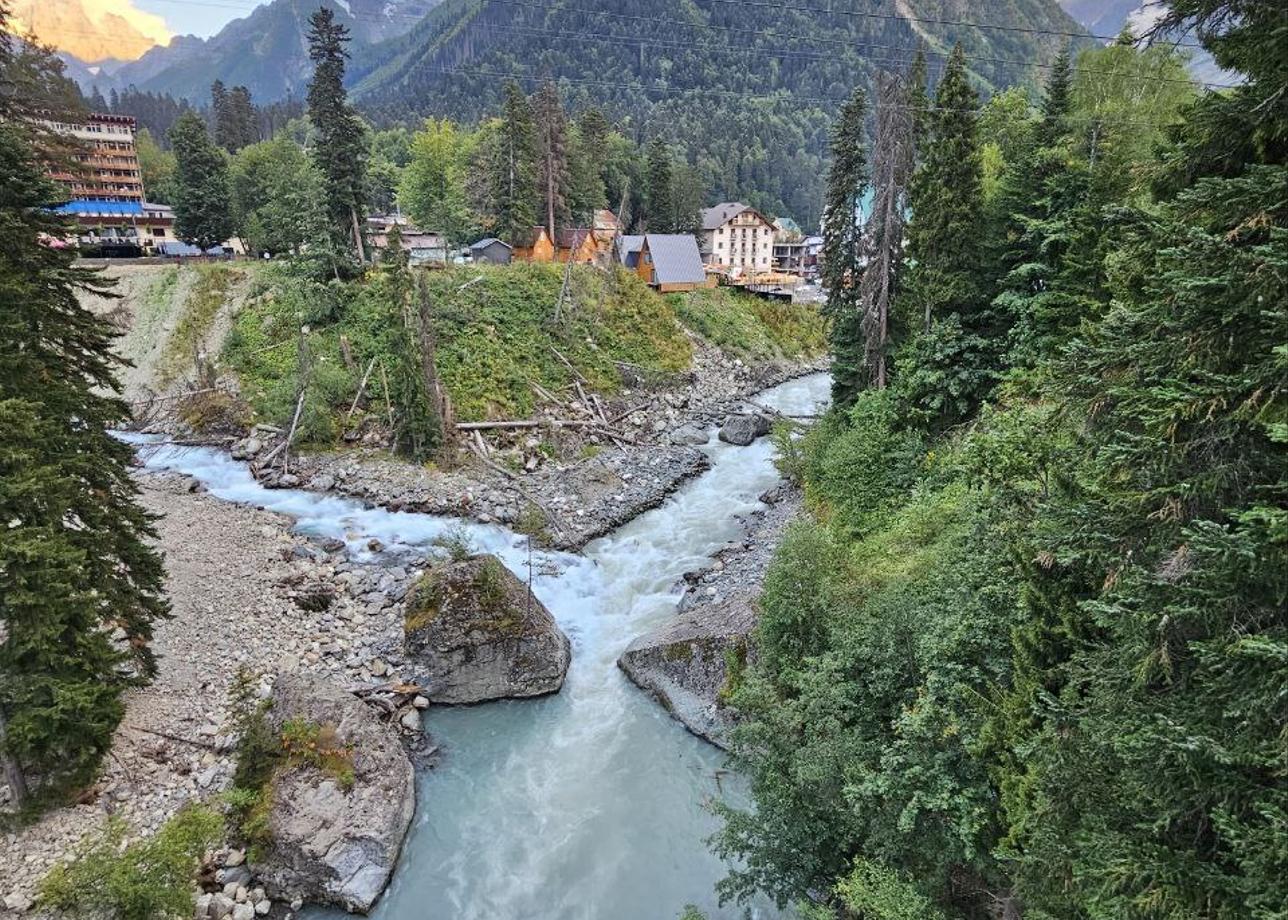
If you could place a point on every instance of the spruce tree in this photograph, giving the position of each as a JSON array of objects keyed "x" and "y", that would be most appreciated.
[
  {"x": 242, "y": 114},
  {"x": 513, "y": 169},
  {"x": 202, "y": 209},
  {"x": 418, "y": 425},
  {"x": 919, "y": 99},
  {"x": 847, "y": 183},
  {"x": 949, "y": 285},
  {"x": 221, "y": 127},
  {"x": 552, "y": 156},
  {"x": 660, "y": 204},
  {"x": 76, "y": 564},
  {"x": 340, "y": 151}
]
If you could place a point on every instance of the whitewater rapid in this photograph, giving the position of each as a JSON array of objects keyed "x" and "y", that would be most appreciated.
[{"x": 591, "y": 803}]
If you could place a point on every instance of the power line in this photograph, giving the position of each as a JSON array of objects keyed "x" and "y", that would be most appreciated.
[
  {"x": 785, "y": 52},
  {"x": 781, "y": 96},
  {"x": 925, "y": 19}
]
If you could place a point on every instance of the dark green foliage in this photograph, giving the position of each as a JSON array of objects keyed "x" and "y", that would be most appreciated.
[
  {"x": 1032, "y": 662},
  {"x": 512, "y": 169},
  {"x": 745, "y": 94},
  {"x": 553, "y": 177},
  {"x": 201, "y": 206},
  {"x": 150, "y": 879},
  {"x": 340, "y": 150},
  {"x": 660, "y": 214},
  {"x": 948, "y": 285},
  {"x": 847, "y": 184},
  {"x": 76, "y": 564},
  {"x": 234, "y": 117}
]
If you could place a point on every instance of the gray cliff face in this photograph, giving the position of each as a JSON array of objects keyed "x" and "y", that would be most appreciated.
[
  {"x": 686, "y": 663},
  {"x": 477, "y": 633},
  {"x": 334, "y": 841}
]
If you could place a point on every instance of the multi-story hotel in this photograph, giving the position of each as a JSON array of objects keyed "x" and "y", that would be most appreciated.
[
  {"x": 738, "y": 239},
  {"x": 107, "y": 196}
]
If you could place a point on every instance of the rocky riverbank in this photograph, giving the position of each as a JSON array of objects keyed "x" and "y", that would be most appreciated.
[
  {"x": 691, "y": 664},
  {"x": 565, "y": 485},
  {"x": 248, "y": 597}
]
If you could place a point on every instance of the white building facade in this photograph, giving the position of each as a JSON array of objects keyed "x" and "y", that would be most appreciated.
[{"x": 738, "y": 239}]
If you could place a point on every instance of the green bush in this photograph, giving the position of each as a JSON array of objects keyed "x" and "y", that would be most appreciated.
[
  {"x": 494, "y": 331},
  {"x": 750, "y": 327},
  {"x": 150, "y": 879}
]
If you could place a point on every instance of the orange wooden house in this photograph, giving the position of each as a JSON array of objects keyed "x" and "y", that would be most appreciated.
[{"x": 576, "y": 244}]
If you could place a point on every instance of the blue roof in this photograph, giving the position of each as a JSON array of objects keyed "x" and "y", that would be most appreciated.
[{"x": 92, "y": 206}]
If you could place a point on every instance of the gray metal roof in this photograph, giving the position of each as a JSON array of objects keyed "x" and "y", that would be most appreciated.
[
  {"x": 628, "y": 249},
  {"x": 675, "y": 258},
  {"x": 488, "y": 241},
  {"x": 720, "y": 214}
]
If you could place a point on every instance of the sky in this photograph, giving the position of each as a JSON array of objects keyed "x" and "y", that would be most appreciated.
[{"x": 193, "y": 17}]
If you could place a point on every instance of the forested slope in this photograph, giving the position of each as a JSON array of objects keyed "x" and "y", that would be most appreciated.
[
  {"x": 1028, "y": 656},
  {"x": 747, "y": 90}
]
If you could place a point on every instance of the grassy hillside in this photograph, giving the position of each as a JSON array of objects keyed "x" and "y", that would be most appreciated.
[{"x": 496, "y": 337}]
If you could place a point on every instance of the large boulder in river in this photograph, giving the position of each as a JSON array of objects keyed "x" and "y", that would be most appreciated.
[
  {"x": 743, "y": 429},
  {"x": 340, "y": 808},
  {"x": 478, "y": 634},
  {"x": 691, "y": 663}
]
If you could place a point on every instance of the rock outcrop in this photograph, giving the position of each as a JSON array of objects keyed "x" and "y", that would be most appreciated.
[
  {"x": 686, "y": 663},
  {"x": 743, "y": 429},
  {"x": 335, "y": 834},
  {"x": 477, "y": 633}
]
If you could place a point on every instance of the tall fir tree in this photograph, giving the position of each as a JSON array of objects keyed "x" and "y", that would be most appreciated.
[
  {"x": 340, "y": 151},
  {"x": 244, "y": 120},
  {"x": 948, "y": 288},
  {"x": 919, "y": 99},
  {"x": 202, "y": 209},
  {"x": 660, "y": 213},
  {"x": 552, "y": 156},
  {"x": 418, "y": 423},
  {"x": 76, "y": 560},
  {"x": 847, "y": 184},
  {"x": 221, "y": 128},
  {"x": 513, "y": 169}
]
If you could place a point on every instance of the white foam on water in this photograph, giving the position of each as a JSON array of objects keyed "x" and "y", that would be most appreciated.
[{"x": 591, "y": 803}]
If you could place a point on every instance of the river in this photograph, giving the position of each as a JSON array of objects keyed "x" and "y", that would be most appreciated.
[{"x": 590, "y": 803}]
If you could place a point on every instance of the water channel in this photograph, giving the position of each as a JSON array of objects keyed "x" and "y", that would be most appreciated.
[{"x": 589, "y": 804}]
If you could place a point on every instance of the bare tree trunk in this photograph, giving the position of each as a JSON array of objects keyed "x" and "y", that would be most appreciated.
[
  {"x": 428, "y": 365},
  {"x": 357, "y": 235},
  {"x": 882, "y": 239},
  {"x": 13, "y": 775}
]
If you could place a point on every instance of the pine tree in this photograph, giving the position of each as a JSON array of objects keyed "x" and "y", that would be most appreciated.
[
  {"x": 221, "y": 123},
  {"x": 76, "y": 562},
  {"x": 847, "y": 183},
  {"x": 201, "y": 200},
  {"x": 513, "y": 169},
  {"x": 552, "y": 156},
  {"x": 660, "y": 203},
  {"x": 418, "y": 424},
  {"x": 243, "y": 118},
  {"x": 1056, "y": 101},
  {"x": 948, "y": 292},
  {"x": 341, "y": 148}
]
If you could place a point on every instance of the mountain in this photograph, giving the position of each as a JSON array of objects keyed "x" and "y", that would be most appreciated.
[
  {"x": 746, "y": 88},
  {"x": 90, "y": 30},
  {"x": 1107, "y": 18},
  {"x": 266, "y": 51}
]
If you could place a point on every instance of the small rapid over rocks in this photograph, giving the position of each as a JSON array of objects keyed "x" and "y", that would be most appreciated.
[{"x": 589, "y": 803}]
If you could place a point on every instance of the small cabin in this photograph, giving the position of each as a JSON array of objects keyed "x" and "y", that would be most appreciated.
[
  {"x": 668, "y": 262},
  {"x": 491, "y": 250}
]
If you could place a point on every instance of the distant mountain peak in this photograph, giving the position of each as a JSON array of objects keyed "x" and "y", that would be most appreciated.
[{"x": 91, "y": 30}]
